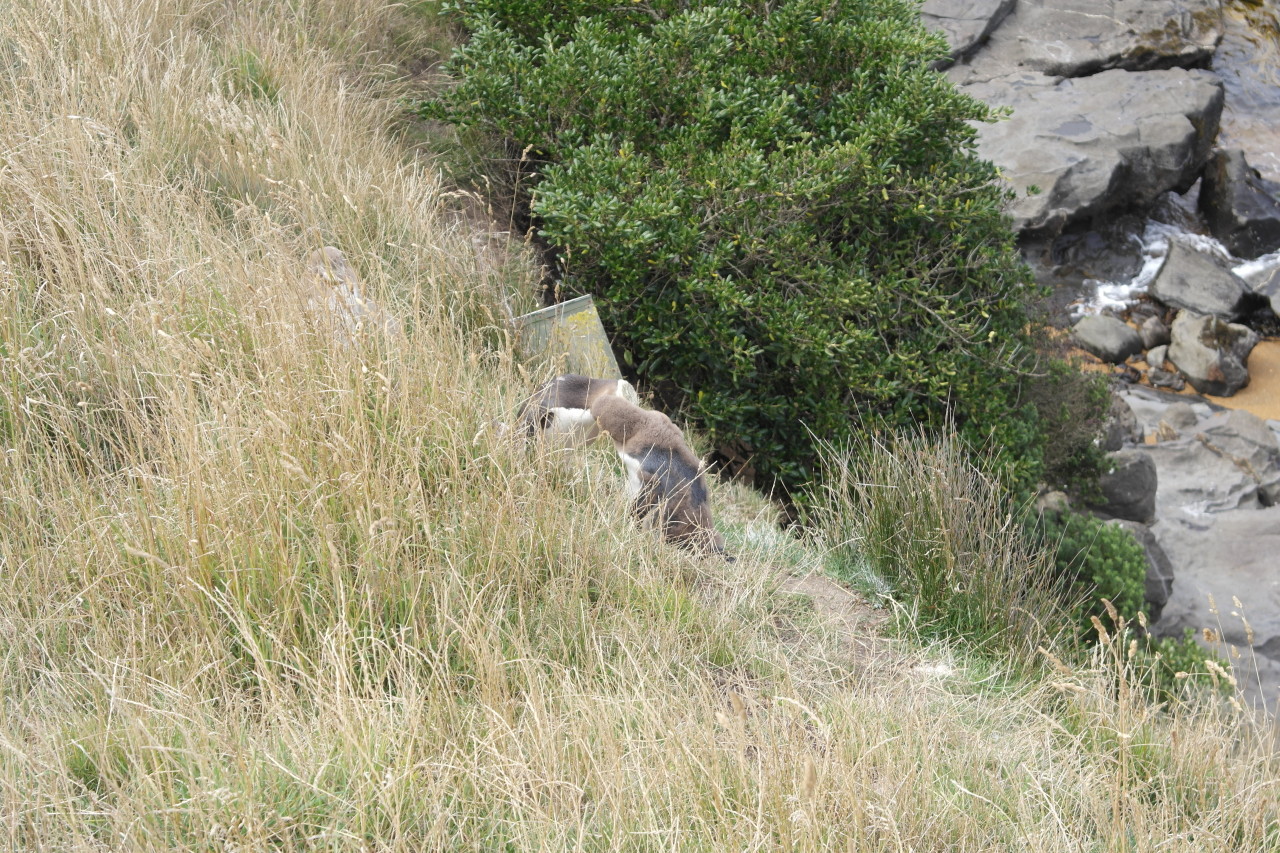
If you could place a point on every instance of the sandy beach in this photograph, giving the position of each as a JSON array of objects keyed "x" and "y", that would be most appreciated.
[{"x": 1262, "y": 395}]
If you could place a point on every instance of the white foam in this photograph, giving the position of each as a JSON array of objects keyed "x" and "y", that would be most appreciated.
[
  {"x": 1156, "y": 236},
  {"x": 1258, "y": 269}
]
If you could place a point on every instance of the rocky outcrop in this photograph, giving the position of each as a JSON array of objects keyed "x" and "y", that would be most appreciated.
[
  {"x": 1211, "y": 353},
  {"x": 1088, "y": 158},
  {"x": 1128, "y": 486},
  {"x": 1092, "y": 144},
  {"x": 1197, "y": 282},
  {"x": 1130, "y": 121},
  {"x": 1075, "y": 38},
  {"x": 1106, "y": 337},
  {"x": 1222, "y": 558},
  {"x": 1217, "y": 523},
  {"x": 965, "y": 23},
  {"x": 1240, "y": 206}
]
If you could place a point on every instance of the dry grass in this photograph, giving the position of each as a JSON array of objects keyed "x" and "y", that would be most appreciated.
[{"x": 266, "y": 587}]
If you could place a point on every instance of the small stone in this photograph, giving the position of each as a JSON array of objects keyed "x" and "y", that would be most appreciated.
[
  {"x": 1106, "y": 337},
  {"x": 1161, "y": 378},
  {"x": 1156, "y": 356},
  {"x": 1153, "y": 332}
]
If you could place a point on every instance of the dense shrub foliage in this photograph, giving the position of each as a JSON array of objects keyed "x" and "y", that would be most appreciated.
[
  {"x": 1096, "y": 561},
  {"x": 776, "y": 205},
  {"x": 1072, "y": 406}
]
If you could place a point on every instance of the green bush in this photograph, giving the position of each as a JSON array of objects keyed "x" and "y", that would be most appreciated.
[
  {"x": 777, "y": 206},
  {"x": 1072, "y": 405},
  {"x": 1095, "y": 561},
  {"x": 1174, "y": 665}
]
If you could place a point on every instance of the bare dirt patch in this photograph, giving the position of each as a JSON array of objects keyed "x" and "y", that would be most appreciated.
[{"x": 850, "y": 616}]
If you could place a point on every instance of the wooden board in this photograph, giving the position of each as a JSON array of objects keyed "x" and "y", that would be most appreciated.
[{"x": 569, "y": 335}]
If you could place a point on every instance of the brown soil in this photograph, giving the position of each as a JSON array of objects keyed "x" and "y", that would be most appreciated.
[{"x": 848, "y": 614}]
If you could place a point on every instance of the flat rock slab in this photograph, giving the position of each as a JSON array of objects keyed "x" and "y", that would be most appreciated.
[
  {"x": 1111, "y": 140},
  {"x": 1075, "y": 38},
  {"x": 1228, "y": 460},
  {"x": 1223, "y": 555},
  {"x": 965, "y": 23}
]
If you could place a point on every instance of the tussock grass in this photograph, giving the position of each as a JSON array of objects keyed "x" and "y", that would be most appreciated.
[
  {"x": 916, "y": 514},
  {"x": 267, "y": 586}
]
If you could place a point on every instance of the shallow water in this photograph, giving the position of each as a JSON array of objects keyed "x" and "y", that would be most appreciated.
[{"x": 1118, "y": 295}]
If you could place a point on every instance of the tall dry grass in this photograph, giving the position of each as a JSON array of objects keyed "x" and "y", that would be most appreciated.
[{"x": 266, "y": 587}]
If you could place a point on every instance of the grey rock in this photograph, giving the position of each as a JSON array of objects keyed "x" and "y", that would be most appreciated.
[
  {"x": 1075, "y": 38},
  {"x": 1197, "y": 282},
  {"x": 1115, "y": 139},
  {"x": 1110, "y": 250},
  {"x": 1268, "y": 288},
  {"x": 1129, "y": 487},
  {"x": 1218, "y": 556},
  {"x": 1120, "y": 428},
  {"x": 1156, "y": 356},
  {"x": 1229, "y": 460},
  {"x": 1152, "y": 406},
  {"x": 1106, "y": 337},
  {"x": 1158, "y": 584},
  {"x": 1248, "y": 443},
  {"x": 1154, "y": 333},
  {"x": 1161, "y": 378},
  {"x": 1210, "y": 353},
  {"x": 1240, "y": 207},
  {"x": 1140, "y": 312},
  {"x": 1052, "y": 501},
  {"x": 1181, "y": 416},
  {"x": 965, "y": 23},
  {"x": 1244, "y": 62}
]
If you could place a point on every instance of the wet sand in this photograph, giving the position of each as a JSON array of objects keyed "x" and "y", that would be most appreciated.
[{"x": 1262, "y": 395}]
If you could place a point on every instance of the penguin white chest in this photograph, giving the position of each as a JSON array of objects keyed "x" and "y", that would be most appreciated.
[
  {"x": 574, "y": 426},
  {"x": 632, "y": 465}
]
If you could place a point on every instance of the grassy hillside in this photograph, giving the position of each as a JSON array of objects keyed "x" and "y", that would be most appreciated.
[{"x": 266, "y": 584}]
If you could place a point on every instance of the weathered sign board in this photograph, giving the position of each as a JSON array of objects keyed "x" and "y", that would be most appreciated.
[{"x": 569, "y": 335}]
